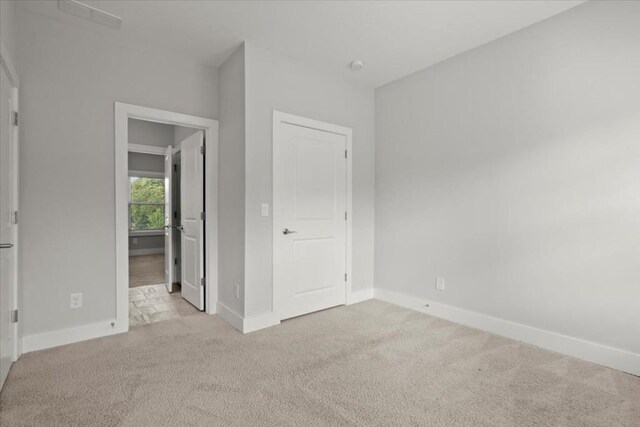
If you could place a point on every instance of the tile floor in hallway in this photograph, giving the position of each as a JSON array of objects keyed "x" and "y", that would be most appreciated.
[{"x": 153, "y": 303}]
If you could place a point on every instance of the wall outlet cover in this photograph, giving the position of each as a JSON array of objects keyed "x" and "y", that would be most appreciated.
[
  {"x": 440, "y": 282},
  {"x": 76, "y": 301}
]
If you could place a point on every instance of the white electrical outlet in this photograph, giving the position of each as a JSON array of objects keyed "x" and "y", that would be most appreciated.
[
  {"x": 237, "y": 290},
  {"x": 76, "y": 301},
  {"x": 265, "y": 209},
  {"x": 440, "y": 283},
  {"x": 135, "y": 240}
]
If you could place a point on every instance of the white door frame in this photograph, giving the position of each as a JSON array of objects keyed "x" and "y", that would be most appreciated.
[
  {"x": 123, "y": 112},
  {"x": 7, "y": 64},
  {"x": 279, "y": 118}
]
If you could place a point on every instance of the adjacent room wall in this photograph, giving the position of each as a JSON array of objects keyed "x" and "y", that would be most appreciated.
[
  {"x": 150, "y": 133},
  {"x": 513, "y": 171},
  {"x": 71, "y": 76},
  {"x": 7, "y": 27},
  {"x": 141, "y": 245},
  {"x": 181, "y": 133},
  {"x": 277, "y": 82},
  {"x": 231, "y": 196},
  {"x": 146, "y": 162}
]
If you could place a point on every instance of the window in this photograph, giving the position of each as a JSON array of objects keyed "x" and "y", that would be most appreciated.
[{"x": 146, "y": 203}]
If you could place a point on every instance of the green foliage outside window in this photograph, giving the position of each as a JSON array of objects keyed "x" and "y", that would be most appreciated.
[{"x": 147, "y": 203}]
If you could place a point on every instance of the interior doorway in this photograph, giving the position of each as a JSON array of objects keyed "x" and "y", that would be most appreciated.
[
  {"x": 167, "y": 253},
  {"x": 159, "y": 224}
]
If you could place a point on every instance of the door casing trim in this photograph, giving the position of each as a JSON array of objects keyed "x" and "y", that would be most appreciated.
[{"x": 123, "y": 112}]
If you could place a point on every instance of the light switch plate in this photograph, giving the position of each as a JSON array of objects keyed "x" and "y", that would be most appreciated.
[{"x": 265, "y": 209}]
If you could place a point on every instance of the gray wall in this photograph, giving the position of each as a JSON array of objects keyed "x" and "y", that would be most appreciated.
[
  {"x": 146, "y": 162},
  {"x": 276, "y": 82},
  {"x": 512, "y": 171},
  {"x": 181, "y": 133},
  {"x": 146, "y": 242},
  {"x": 71, "y": 78},
  {"x": 150, "y": 133},
  {"x": 7, "y": 27},
  {"x": 231, "y": 215}
]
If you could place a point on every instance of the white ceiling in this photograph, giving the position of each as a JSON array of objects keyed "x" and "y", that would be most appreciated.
[{"x": 393, "y": 38}]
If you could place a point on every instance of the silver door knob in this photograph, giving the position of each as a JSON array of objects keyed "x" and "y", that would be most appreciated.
[
  {"x": 6, "y": 245},
  {"x": 287, "y": 231}
]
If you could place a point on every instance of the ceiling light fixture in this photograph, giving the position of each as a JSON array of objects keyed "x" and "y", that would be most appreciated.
[
  {"x": 91, "y": 13},
  {"x": 356, "y": 65}
]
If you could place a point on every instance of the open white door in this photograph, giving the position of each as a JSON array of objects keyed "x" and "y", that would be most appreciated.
[
  {"x": 192, "y": 218},
  {"x": 168, "y": 219},
  {"x": 309, "y": 219},
  {"x": 8, "y": 253}
]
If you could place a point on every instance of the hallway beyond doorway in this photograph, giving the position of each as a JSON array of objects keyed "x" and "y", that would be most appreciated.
[
  {"x": 146, "y": 270},
  {"x": 153, "y": 303}
]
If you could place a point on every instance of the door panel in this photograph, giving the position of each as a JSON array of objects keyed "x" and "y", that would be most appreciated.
[
  {"x": 7, "y": 228},
  {"x": 168, "y": 219},
  {"x": 310, "y": 201},
  {"x": 191, "y": 207}
]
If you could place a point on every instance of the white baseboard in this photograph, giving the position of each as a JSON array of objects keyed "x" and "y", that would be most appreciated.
[
  {"x": 592, "y": 352},
  {"x": 247, "y": 324},
  {"x": 359, "y": 296},
  {"x": 260, "y": 321},
  {"x": 60, "y": 337},
  {"x": 149, "y": 251},
  {"x": 266, "y": 320},
  {"x": 233, "y": 318}
]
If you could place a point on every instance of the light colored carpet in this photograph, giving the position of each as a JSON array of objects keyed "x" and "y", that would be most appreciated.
[
  {"x": 367, "y": 364},
  {"x": 146, "y": 270}
]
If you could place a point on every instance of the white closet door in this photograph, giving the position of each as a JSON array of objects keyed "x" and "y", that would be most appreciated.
[{"x": 310, "y": 203}]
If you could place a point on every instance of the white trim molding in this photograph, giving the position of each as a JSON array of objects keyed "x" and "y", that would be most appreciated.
[
  {"x": 581, "y": 349},
  {"x": 247, "y": 324},
  {"x": 60, "y": 337},
  {"x": 123, "y": 112},
  {"x": 268, "y": 319},
  {"x": 261, "y": 321},
  {"x": 230, "y": 316},
  {"x": 359, "y": 296}
]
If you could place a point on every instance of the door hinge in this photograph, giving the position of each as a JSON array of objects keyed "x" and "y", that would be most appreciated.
[
  {"x": 203, "y": 281},
  {"x": 175, "y": 261},
  {"x": 15, "y": 217},
  {"x": 345, "y": 277},
  {"x": 15, "y": 118},
  {"x": 345, "y": 154},
  {"x": 345, "y": 216},
  {"x": 175, "y": 168},
  {"x": 175, "y": 214},
  {"x": 202, "y": 216},
  {"x": 14, "y": 316},
  {"x": 202, "y": 149}
]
